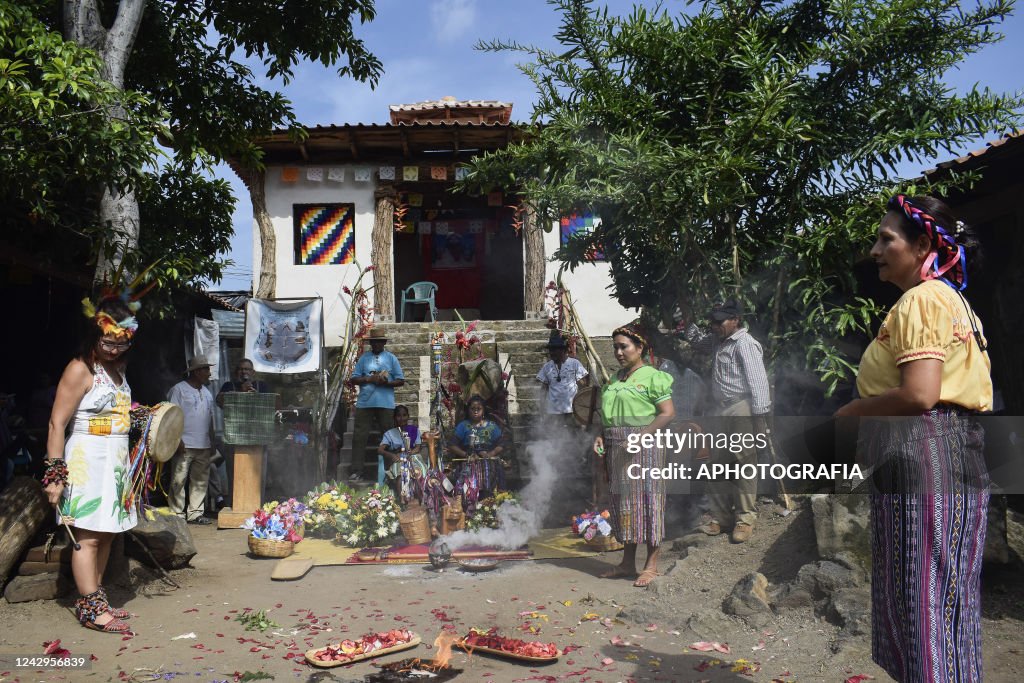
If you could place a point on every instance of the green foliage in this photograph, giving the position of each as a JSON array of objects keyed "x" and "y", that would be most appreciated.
[
  {"x": 66, "y": 133},
  {"x": 217, "y": 104},
  {"x": 256, "y": 620},
  {"x": 57, "y": 140},
  {"x": 747, "y": 149}
]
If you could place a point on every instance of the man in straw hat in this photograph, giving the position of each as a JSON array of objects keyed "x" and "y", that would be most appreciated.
[
  {"x": 192, "y": 462},
  {"x": 377, "y": 374},
  {"x": 741, "y": 396}
]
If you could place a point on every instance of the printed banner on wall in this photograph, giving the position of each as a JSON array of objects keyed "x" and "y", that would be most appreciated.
[
  {"x": 325, "y": 234},
  {"x": 284, "y": 337},
  {"x": 580, "y": 223}
]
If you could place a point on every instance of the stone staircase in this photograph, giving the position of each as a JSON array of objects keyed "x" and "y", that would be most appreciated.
[{"x": 519, "y": 346}]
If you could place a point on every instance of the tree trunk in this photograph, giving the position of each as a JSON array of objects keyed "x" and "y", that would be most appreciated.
[
  {"x": 256, "y": 182},
  {"x": 23, "y": 510},
  {"x": 383, "y": 237},
  {"x": 119, "y": 212},
  {"x": 533, "y": 276}
]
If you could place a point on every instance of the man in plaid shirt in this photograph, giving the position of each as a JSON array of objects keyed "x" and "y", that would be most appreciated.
[{"x": 740, "y": 395}]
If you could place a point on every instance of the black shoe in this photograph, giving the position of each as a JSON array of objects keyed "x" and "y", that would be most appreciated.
[{"x": 201, "y": 521}]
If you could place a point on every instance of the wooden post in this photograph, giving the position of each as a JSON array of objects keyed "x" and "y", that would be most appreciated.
[
  {"x": 255, "y": 181},
  {"x": 383, "y": 238},
  {"x": 533, "y": 275},
  {"x": 245, "y": 491}
]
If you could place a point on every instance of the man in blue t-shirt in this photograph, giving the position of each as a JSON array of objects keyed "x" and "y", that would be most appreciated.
[{"x": 377, "y": 373}]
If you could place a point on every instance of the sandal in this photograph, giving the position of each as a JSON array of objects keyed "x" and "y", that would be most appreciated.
[
  {"x": 645, "y": 578},
  {"x": 619, "y": 572},
  {"x": 116, "y": 612},
  {"x": 91, "y": 606}
]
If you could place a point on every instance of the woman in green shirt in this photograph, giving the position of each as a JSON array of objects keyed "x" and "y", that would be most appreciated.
[{"x": 637, "y": 402}]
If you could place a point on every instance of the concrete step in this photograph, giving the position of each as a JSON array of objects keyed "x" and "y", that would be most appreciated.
[
  {"x": 525, "y": 346},
  {"x": 450, "y": 325}
]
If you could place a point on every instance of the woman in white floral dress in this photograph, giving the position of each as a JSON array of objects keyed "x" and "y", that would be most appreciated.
[{"x": 88, "y": 485}]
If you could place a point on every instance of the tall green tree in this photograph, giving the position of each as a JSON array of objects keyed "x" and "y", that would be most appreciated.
[
  {"x": 172, "y": 71},
  {"x": 745, "y": 149}
]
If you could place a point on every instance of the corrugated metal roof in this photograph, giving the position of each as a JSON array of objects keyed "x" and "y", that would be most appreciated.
[
  {"x": 233, "y": 300},
  {"x": 231, "y": 323}
]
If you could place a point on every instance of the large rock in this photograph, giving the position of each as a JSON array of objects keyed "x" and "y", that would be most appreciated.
[
  {"x": 749, "y": 600},
  {"x": 841, "y": 525},
  {"x": 851, "y": 609},
  {"x": 38, "y": 587},
  {"x": 823, "y": 579},
  {"x": 167, "y": 538}
]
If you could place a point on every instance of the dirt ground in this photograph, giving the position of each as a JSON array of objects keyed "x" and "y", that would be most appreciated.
[{"x": 617, "y": 632}]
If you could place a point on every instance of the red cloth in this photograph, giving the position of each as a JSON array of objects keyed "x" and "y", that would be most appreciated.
[{"x": 456, "y": 287}]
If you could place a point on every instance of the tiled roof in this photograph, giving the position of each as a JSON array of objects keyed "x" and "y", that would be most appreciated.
[
  {"x": 449, "y": 102},
  {"x": 1007, "y": 143}
]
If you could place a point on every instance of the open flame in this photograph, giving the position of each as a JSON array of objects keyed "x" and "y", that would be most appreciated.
[
  {"x": 418, "y": 669},
  {"x": 443, "y": 643}
]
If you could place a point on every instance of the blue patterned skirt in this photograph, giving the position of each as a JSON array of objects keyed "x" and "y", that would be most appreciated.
[
  {"x": 928, "y": 536},
  {"x": 638, "y": 505}
]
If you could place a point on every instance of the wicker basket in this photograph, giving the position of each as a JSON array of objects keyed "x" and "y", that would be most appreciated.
[
  {"x": 605, "y": 544},
  {"x": 262, "y": 547},
  {"x": 415, "y": 525}
]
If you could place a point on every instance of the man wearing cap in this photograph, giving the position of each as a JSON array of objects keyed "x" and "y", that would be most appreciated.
[
  {"x": 740, "y": 393},
  {"x": 377, "y": 373},
  {"x": 192, "y": 462},
  {"x": 561, "y": 378}
]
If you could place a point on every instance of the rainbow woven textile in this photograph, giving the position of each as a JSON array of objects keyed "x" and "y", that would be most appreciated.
[{"x": 326, "y": 234}]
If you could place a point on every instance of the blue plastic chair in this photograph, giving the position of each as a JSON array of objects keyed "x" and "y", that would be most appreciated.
[{"x": 419, "y": 293}]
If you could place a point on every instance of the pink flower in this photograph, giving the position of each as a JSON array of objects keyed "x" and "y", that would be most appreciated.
[
  {"x": 370, "y": 268},
  {"x": 345, "y": 289}
]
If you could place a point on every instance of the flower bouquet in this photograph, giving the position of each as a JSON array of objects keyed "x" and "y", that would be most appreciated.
[
  {"x": 369, "y": 519},
  {"x": 595, "y": 529},
  {"x": 322, "y": 504},
  {"x": 485, "y": 516},
  {"x": 276, "y": 528}
]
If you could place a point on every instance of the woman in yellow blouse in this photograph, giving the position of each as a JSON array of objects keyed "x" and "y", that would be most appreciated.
[{"x": 929, "y": 365}]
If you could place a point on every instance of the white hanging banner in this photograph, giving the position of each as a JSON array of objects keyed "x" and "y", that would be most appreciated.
[
  {"x": 284, "y": 337},
  {"x": 206, "y": 342}
]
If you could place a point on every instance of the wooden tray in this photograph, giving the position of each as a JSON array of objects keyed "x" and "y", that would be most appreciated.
[
  {"x": 358, "y": 658},
  {"x": 508, "y": 655}
]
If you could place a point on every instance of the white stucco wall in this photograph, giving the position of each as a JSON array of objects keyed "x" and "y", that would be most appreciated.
[
  {"x": 588, "y": 286},
  {"x": 600, "y": 313},
  {"x": 312, "y": 281}
]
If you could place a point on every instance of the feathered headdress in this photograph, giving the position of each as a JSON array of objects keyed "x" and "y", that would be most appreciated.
[{"x": 129, "y": 294}]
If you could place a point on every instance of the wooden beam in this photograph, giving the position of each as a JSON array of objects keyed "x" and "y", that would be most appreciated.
[
  {"x": 456, "y": 149},
  {"x": 352, "y": 144},
  {"x": 405, "y": 143}
]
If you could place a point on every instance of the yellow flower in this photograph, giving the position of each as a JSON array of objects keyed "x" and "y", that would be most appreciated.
[
  {"x": 121, "y": 420},
  {"x": 324, "y": 500},
  {"x": 78, "y": 469}
]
